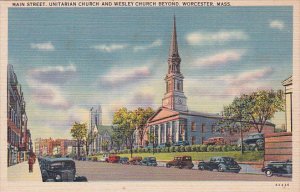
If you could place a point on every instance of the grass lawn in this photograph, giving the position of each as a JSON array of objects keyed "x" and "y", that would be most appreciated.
[{"x": 247, "y": 156}]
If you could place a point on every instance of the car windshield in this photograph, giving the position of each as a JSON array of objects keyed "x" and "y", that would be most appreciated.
[
  {"x": 152, "y": 159},
  {"x": 177, "y": 158},
  {"x": 62, "y": 165},
  {"x": 228, "y": 159}
]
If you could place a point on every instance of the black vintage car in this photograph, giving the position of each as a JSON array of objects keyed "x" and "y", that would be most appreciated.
[
  {"x": 124, "y": 160},
  {"x": 149, "y": 161},
  {"x": 59, "y": 170},
  {"x": 181, "y": 162},
  {"x": 278, "y": 168},
  {"x": 222, "y": 164},
  {"x": 254, "y": 139}
]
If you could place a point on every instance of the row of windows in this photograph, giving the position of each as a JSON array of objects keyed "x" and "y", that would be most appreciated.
[
  {"x": 12, "y": 137},
  {"x": 203, "y": 127}
]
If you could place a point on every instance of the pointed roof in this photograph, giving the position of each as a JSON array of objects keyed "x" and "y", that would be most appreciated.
[
  {"x": 174, "y": 46},
  {"x": 162, "y": 113}
]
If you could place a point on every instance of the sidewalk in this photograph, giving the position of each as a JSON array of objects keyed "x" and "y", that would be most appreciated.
[{"x": 19, "y": 172}]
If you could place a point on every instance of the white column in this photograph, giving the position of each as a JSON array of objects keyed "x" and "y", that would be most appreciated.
[
  {"x": 177, "y": 130},
  {"x": 165, "y": 139},
  {"x": 171, "y": 130},
  {"x": 159, "y": 135}
]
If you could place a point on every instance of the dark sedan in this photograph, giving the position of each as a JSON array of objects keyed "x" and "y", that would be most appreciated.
[
  {"x": 222, "y": 164},
  {"x": 149, "y": 161}
]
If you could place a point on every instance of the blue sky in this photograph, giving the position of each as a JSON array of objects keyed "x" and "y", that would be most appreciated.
[{"x": 69, "y": 59}]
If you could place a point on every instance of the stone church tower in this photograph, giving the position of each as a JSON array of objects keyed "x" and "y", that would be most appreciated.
[{"x": 174, "y": 97}]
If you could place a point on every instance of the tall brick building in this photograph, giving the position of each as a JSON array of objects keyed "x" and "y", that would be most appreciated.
[{"x": 18, "y": 134}]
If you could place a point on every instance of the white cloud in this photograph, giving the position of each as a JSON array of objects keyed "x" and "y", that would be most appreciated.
[
  {"x": 220, "y": 58},
  {"x": 119, "y": 76},
  {"x": 156, "y": 43},
  {"x": 277, "y": 24},
  {"x": 109, "y": 47},
  {"x": 53, "y": 74},
  {"x": 247, "y": 81},
  {"x": 47, "y": 46},
  {"x": 196, "y": 38},
  {"x": 49, "y": 96},
  {"x": 248, "y": 76}
]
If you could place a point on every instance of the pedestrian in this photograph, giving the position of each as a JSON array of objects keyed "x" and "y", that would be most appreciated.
[{"x": 31, "y": 161}]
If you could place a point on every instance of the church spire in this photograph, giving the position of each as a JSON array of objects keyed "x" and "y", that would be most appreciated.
[
  {"x": 174, "y": 58},
  {"x": 173, "y": 52}
]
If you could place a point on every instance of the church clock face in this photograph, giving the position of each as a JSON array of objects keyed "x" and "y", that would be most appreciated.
[{"x": 179, "y": 101}]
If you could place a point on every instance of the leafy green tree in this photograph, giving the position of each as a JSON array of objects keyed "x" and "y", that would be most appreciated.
[
  {"x": 251, "y": 110},
  {"x": 126, "y": 122},
  {"x": 263, "y": 105},
  {"x": 79, "y": 132},
  {"x": 141, "y": 116}
]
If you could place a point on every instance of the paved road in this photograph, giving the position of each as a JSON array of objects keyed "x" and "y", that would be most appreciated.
[{"x": 100, "y": 171}]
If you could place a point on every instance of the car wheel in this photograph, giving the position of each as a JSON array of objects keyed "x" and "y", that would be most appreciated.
[
  {"x": 168, "y": 165},
  {"x": 269, "y": 173},
  {"x": 220, "y": 169},
  {"x": 180, "y": 166},
  {"x": 201, "y": 167}
]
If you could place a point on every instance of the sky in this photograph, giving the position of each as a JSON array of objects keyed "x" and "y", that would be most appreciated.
[{"x": 70, "y": 59}]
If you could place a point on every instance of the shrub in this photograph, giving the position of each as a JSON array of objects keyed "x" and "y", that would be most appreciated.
[
  {"x": 182, "y": 149},
  {"x": 194, "y": 148},
  {"x": 210, "y": 148},
  {"x": 187, "y": 148},
  {"x": 135, "y": 150},
  {"x": 203, "y": 148},
  {"x": 172, "y": 149},
  {"x": 217, "y": 148},
  {"x": 177, "y": 149},
  {"x": 140, "y": 150},
  {"x": 198, "y": 148},
  {"x": 229, "y": 148},
  {"x": 224, "y": 148},
  {"x": 158, "y": 150}
]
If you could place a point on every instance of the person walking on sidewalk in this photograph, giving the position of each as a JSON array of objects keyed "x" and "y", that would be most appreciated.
[{"x": 31, "y": 161}]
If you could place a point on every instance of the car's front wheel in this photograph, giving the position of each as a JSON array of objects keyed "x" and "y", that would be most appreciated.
[
  {"x": 221, "y": 168},
  {"x": 201, "y": 167},
  {"x": 168, "y": 165},
  {"x": 269, "y": 173}
]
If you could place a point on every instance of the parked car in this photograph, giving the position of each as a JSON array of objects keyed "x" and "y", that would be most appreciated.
[
  {"x": 254, "y": 139},
  {"x": 124, "y": 160},
  {"x": 181, "y": 143},
  {"x": 113, "y": 159},
  {"x": 278, "y": 168},
  {"x": 60, "y": 170},
  {"x": 221, "y": 164},
  {"x": 104, "y": 157},
  {"x": 181, "y": 162},
  {"x": 214, "y": 141},
  {"x": 135, "y": 160},
  {"x": 149, "y": 161}
]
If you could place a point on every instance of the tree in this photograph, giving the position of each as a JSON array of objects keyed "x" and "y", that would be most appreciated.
[
  {"x": 126, "y": 122},
  {"x": 263, "y": 105},
  {"x": 234, "y": 119},
  {"x": 141, "y": 116},
  {"x": 79, "y": 132},
  {"x": 252, "y": 110}
]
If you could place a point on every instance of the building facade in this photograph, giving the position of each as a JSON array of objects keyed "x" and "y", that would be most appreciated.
[
  {"x": 102, "y": 140},
  {"x": 49, "y": 147},
  {"x": 288, "y": 90},
  {"x": 18, "y": 135},
  {"x": 95, "y": 120},
  {"x": 173, "y": 122}
]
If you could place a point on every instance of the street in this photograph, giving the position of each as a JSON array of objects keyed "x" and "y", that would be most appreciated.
[{"x": 100, "y": 171}]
